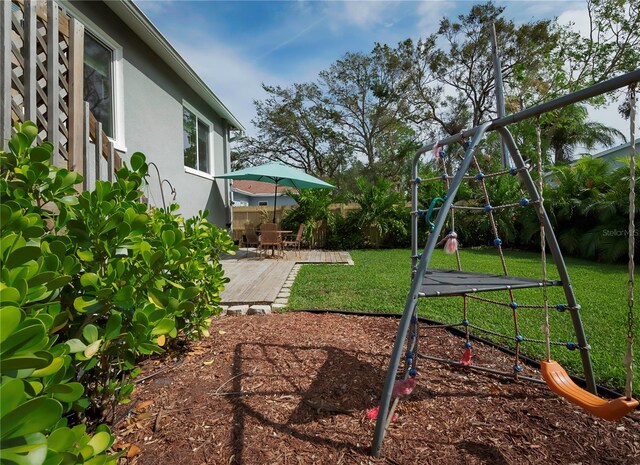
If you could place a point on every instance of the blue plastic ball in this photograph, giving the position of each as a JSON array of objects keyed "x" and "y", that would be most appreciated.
[
  {"x": 465, "y": 322},
  {"x": 480, "y": 176},
  {"x": 488, "y": 208},
  {"x": 418, "y": 180},
  {"x": 497, "y": 242},
  {"x": 519, "y": 338},
  {"x": 524, "y": 202},
  {"x": 572, "y": 345},
  {"x": 413, "y": 372},
  {"x": 444, "y": 177},
  {"x": 467, "y": 345},
  {"x": 513, "y": 171},
  {"x": 517, "y": 368},
  {"x": 513, "y": 305},
  {"x": 442, "y": 154},
  {"x": 561, "y": 307}
]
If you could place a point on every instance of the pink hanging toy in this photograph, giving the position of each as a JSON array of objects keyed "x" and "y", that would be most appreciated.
[
  {"x": 466, "y": 357},
  {"x": 452, "y": 243}
]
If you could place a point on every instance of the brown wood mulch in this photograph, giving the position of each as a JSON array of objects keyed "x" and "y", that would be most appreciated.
[{"x": 294, "y": 389}]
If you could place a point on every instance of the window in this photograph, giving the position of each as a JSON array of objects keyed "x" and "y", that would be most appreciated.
[
  {"x": 98, "y": 82},
  {"x": 262, "y": 203},
  {"x": 196, "y": 141}
]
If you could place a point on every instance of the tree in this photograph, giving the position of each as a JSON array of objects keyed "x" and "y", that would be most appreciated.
[
  {"x": 380, "y": 208},
  {"x": 569, "y": 127},
  {"x": 612, "y": 45},
  {"x": 465, "y": 89},
  {"x": 368, "y": 99},
  {"x": 295, "y": 127}
]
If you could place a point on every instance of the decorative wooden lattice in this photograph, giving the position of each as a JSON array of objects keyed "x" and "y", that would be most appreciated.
[{"x": 43, "y": 75}]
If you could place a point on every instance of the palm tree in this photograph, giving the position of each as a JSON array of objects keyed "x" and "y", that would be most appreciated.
[
  {"x": 380, "y": 209},
  {"x": 568, "y": 128}
]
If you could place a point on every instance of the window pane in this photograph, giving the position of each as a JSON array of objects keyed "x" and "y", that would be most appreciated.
[
  {"x": 97, "y": 82},
  {"x": 189, "y": 139},
  {"x": 203, "y": 147}
]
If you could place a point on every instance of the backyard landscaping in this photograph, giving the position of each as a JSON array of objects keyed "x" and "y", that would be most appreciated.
[
  {"x": 298, "y": 387},
  {"x": 380, "y": 279},
  {"x": 295, "y": 388}
]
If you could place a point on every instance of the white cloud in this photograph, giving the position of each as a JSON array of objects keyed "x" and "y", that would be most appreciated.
[
  {"x": 578, "y": 18},
  {"x": 431, "y": 12},
  {"x": 365, "y": 14},
  {"x": 234, "y": 79}
]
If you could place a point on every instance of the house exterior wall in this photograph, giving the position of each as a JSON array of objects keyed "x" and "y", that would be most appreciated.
[
  {"x": 254, "y": 201},
  {"x": 153, "y": 97}
]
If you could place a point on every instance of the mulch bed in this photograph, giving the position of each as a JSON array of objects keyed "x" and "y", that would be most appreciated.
[{"x": 294, "y": 388}]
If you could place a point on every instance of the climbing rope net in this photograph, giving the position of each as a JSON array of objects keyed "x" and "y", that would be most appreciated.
[
  {"x": 450, "y": 242},
  {"x": 429, "y": 282}
]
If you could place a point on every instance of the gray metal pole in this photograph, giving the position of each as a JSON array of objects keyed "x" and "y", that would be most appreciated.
[
  {"x": 416, "y": 283},
  {"x": 499, "y": 85},
  {"x": 414, "y": 218},
  {"x": 583, "y": 94},
  {"x": 572, "y": 303}
]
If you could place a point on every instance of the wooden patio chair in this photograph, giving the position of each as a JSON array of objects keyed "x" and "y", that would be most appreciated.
[
  {"x": 250, "y": 238},
  {"x": 270, "y": 238},
  {"x": 294, "y": 241}
]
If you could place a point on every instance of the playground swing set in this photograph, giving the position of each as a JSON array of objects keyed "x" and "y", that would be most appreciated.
[{"x": 429, "y": 283}]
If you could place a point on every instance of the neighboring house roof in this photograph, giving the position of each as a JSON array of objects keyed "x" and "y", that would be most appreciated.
[
  {"x": 150, "y": 35},
  {"x": 620, "y": 150},
  {"x": 258, "y": 188}
]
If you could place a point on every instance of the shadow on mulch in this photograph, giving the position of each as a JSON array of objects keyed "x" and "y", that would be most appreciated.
[{"x": 329, "y": 393}]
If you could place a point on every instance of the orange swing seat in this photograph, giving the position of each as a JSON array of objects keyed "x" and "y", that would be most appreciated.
[{"x": 559, "y": 382}]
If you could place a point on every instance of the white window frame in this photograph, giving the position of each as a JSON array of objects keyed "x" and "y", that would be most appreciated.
[
  {"x": 117, "y": 74},
  {"x": 210, "y": 157}
]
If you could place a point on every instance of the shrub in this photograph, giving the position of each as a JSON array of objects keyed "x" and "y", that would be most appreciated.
[{"x": 90, "y": 283}]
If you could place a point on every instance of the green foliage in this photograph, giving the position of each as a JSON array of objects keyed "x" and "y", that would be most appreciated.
[
  {"x": 312, "y": 211},
  {"x": 90, "y": 283},
  {"x": 381, "y": 210},
  {"x": 589, "y": 206}
]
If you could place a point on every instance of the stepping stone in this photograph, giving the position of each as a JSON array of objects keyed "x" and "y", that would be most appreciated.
[
  {"x": 223, "y": 309},
  {"x": 259, "y": 310},
  {"x": 281, "y": 301},
  {"x": 237, "y": 310},
  {"x": 277, "y": 306},
  {"x": 284, "y": 293}
]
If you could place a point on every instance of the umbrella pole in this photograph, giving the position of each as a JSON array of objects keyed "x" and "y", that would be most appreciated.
[{"x": 275, "y": 202}]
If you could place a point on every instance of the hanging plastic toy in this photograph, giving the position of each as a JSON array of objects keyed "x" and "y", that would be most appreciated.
[{"x": 451, "y": 245}]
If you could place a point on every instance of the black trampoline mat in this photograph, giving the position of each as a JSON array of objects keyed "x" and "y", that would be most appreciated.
[{"x": 441, "y": 283}]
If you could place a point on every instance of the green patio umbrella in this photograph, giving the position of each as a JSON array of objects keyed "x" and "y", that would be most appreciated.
[{"x": 280, "y": 175}]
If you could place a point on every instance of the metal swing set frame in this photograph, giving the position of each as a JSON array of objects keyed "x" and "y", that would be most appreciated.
[{"x": 555, "y": 376}]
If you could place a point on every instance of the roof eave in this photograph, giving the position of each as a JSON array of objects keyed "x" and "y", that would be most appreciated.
[{"x": 144, "y": 28}]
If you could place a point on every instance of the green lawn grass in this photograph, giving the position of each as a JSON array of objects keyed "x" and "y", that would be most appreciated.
[{"x": 380, "y": 279}]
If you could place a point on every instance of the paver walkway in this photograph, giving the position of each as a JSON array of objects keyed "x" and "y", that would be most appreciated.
[{"x": 259, "y": 281}]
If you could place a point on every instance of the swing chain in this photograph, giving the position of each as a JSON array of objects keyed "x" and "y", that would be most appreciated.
[
  {"x": 631, "y": 98},
  {"x": 632, "y": 176}
]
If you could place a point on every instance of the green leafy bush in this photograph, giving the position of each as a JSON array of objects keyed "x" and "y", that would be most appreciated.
[{"x": 90, "y": 283}]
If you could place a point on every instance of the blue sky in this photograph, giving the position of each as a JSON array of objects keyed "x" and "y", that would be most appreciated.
[{"x": 236, "y": 45}]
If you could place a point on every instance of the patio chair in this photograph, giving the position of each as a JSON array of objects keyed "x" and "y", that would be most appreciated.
[
  {"x": 294, "y": 241},
  {"x": 250, "y": 238},
  {"x": 270, "y": 238},
  {"x": 268, "y": 227}
]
